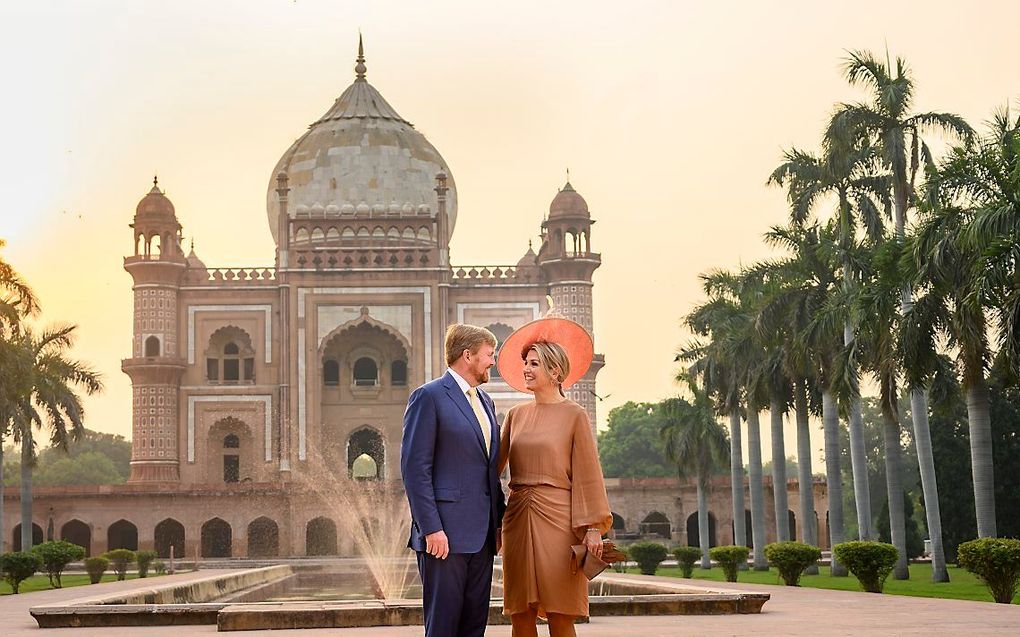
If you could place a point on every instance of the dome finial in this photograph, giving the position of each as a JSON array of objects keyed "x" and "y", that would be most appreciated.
[
  {"x": 155, "y": 184},
  {"x": 360, "y": 67}
]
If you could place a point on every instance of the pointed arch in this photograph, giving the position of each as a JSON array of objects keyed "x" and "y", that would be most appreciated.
[
  {"x": 77, "y": 532},
  {"x": 169, "y": 533}
]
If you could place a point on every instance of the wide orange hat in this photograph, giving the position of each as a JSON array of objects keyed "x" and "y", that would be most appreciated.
[{"x": 573, "y": 338}]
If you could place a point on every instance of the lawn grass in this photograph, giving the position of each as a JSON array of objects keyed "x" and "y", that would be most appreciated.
[
  {"x": 42, "y": 583},
  {"x": 962, "y": 585}
]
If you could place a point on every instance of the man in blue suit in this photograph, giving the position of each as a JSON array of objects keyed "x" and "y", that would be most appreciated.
[{"x": 448, "y": 463}]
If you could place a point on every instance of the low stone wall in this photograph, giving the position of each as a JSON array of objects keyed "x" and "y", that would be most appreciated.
[{"x": 186, "y": 602}]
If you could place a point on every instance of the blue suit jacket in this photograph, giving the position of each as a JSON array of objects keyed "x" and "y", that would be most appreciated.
[{"x": 451, "y": 483}]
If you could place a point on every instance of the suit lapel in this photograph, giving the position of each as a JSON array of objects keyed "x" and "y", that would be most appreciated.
[{"x": 461, "y": 400}]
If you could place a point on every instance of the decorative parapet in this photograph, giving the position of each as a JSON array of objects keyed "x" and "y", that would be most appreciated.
[
  {"x": 231, "y": 276},
  {"x": 473, "y": 274},
  {"x": 360, "y": 258}
]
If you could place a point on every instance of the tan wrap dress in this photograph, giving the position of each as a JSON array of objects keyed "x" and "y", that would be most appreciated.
[{"x": 556, "y": 492}]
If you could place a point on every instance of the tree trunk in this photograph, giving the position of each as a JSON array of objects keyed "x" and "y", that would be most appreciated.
[
  {"x": 3, "y": 534},
  {"x": 922, "y": 428},
  {"x": 737, "y": 482},
  {"x": 980, "y": 424},
  {"x": 805, "y": 481},
  {"x": 26, "y": 489},
  {"x": 779, "y": 494},
  {"x": 703, "y": 536},
  {"x": 757, "y": 490},
  {"x": 894, "y": 479},
  {"x": 929, "y": 485},
  {"x": 859, "y": 456},
  {"x": 830, "y": 423}
]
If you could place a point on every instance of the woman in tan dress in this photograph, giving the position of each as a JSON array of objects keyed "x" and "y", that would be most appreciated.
[{"x": 557, "y": 497}]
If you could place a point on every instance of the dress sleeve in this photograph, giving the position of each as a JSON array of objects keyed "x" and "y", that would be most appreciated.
[
  {"x": 504, "y": 443},
  {"x": 589, "y": 504}
]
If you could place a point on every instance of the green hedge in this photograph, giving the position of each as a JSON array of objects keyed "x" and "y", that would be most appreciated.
[
  {"x": 55, "y": 556},
  {"x": 648, "y": 555},
  {"x": 144, "y": 559},
  {"x": 686, "y": 557},
  {"x": 18, "y": 566},
  {"x": 120, "y": 558},
  {"x": 791, "y": 559},
  {"x": 870, "y": 562},
  {"x": 730, "y": 558},
  {"x": 95, "y": 567},
  {"x": 996, "y": 561}
]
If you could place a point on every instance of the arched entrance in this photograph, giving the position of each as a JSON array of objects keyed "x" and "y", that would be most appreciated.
[
  {"x": 37, "y": 536},
  {"x": 263, "y": 538},
  {"x": 320, "y": 537},
  {"x": 694, "y": 536},
  {"x": 217, "y": 538},
  {"x": 793, "y": 526},
  {"x": 122, "y": 535},
  {"x": 618, "y": 524},
  {"x": 77, "y": 532},
  {"x": 365, "y": 454},
  {"x": 169, "y": 533},
  {"x": 656, "y": 523}
]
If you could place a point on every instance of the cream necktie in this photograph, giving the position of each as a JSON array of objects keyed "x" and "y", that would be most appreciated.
[{"x": 483, "y": 420}]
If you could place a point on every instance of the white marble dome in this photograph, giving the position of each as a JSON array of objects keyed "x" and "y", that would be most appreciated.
[{"x": 361, "y": 151}]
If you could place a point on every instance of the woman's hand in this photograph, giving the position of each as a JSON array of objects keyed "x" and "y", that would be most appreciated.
[{"x": 593, "y": 541}]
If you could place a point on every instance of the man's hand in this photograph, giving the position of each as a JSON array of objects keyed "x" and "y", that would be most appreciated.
[{"x": 437, "y": 545}]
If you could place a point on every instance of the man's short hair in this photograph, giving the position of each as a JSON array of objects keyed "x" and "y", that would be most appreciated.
[{"x": 460, "y": 337}]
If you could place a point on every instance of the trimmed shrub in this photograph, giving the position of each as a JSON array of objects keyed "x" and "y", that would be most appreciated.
[
  {"x": 95, "y": 567},
  {"x": 159, "y": 567},
  {"x": 791, "y": 559},
  {"x": 55, "y": 556},
  {"x": 144, "y": 559},
  {"x": 686, "y": 557},
  {"x": 18, "y": 566},
  {"x": 730, "y": 558},
  {"x": 648, "y": 556},
  {"x": 120, "y": 558},
  {"x": 870, "y": 562},
  {"x": 996, "y": 561}
]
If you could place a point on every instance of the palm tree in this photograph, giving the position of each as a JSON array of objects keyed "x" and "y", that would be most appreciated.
[
  {"x": 806, "y": 277},
  {"x": 886, "y": 120},
  {"x": 878, "y": 352},
  {"x": 952, "y": 307},
  {"x": 985, "y": 177},
  {"x": 17, "y": 302},
  {"x": 698, "y": 445},
  {"x": 849, "y": 173},
  {"x": 714, "y": 364},
  {"x": 782, "y": 330},
  {"x": 45, "y": 396}
]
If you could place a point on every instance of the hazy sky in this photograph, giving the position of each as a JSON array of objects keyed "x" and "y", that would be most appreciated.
[{"x": 670, "y": 116}]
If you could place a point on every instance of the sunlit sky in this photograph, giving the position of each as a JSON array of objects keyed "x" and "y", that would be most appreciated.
[{"x": 669, "y": 115}]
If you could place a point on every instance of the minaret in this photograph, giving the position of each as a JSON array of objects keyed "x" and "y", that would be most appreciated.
[
  {"x": 567, "y": 264},
  {"x": 156, "y": 363}
]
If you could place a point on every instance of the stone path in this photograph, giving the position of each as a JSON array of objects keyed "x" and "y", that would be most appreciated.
[{"x": 791, "y": 611}]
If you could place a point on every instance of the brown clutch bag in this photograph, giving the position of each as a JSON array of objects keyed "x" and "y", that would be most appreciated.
[{"x": 591, "y": 565}]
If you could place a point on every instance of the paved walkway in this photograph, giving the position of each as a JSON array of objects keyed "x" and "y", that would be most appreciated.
[{"x": 791, "y": 611}]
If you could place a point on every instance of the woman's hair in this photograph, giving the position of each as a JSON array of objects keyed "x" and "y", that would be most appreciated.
[
  {"x": 460, "y": 337},
  {"x": 552, "y": 357}
]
